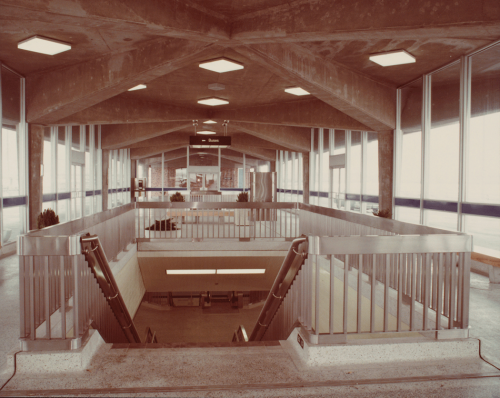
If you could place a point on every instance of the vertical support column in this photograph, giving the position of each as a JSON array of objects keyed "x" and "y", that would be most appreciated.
[
  {"x": 35, "y": 179},
  {"x": 105, "y": 181},
  {"x": 426, "y": 129},
  {"x": 397, "y": 149},
  {"x": 312, "y": 163},
  {"x": 348, "y": 168},
  {"x": 320, "y": 163},
  {"x": 385, "y": 171},
  {"x": 244, "y": 175},
  {"x": 188, "y": 185},
  {"x": 465, "y": 111},
  {"x": 364, "y": 168},
  {"x": 162, "y": 174},
  {"x": 305, "y": 177}
]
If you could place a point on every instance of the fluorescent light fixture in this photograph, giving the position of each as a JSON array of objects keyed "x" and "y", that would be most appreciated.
[
  {"x": 43, "y": 45},
  {"x": 213, "y": 101},
  {"x": 296, "y": 91},
  {"x": 221, "y": 65},
  {"x": 210, "y": 122},
  {"x": 241, "y": 271},
  {"x": 206, "y": 132},
  {"x": 397, "y": 57},
  {"x": 139, "y": 87},
  {"x": 190, "y": 272}
]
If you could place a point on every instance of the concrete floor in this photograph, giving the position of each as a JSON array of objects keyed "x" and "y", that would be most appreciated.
[{"x": 485, "y": 325}]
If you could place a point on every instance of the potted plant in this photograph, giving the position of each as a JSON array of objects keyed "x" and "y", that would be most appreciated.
[
  {"x": 162, "y": 225},
  {"x": 241, "y": 216},
  {"x": 47, "y": 218},
  {"x": 177, "y": 197}
]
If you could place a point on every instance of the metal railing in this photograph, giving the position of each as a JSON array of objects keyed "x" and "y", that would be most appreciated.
[
  {"x": 287, "y": 273},
  {"x": 224, "y": 220},
  {"x": 364, "y": 274},
  {"x": 98, "y": 264},
  {"x": 59, "y": 296},
  {"x": 424, "y": 289}
]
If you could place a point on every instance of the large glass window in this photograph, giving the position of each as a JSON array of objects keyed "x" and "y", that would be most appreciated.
[
  {"x": 409, "y": 174},
  {"x": 354, "y": 169},
  {"x": 13, "y": 163}
]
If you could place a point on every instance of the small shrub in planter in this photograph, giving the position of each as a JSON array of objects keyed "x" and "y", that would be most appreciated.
[
  {"x": 47, "y": 218},
  {"x": 177, "y": 197},
  {"x": 163, "y": 225},
  {"x": 382, "y": 213},
  {"x": 242, "y": 197}
]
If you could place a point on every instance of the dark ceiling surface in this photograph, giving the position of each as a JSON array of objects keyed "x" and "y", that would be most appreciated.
[{"x": 94, "y": 36}]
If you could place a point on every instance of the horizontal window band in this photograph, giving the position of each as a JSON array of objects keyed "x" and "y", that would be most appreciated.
[
  {"x": 481, "y": 210},
  {"x": 13, "y": 202},
  {"x": 370, "y": 198},
  {"x": 352, "y": 196},
  {"x": 49, "y": 197},
  {"x": 89, "y": 193},
  {"x": 474, "y": 209},
  {"x": 441, "y": 205},
  {"x": 407, "y": 202},
  {"x": 64, "y": 195},
  {"x": 232, "y": 189}
]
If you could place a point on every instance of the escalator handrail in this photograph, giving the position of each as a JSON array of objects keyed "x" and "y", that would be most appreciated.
[
  {"x": 291, "y": 265},
  {"x": 108, "y": 285}
]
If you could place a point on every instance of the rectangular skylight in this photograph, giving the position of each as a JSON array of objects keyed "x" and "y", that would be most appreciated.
[
  {"x": 190, "y": 272},
  {"x": 206, "y": 132},
  {"x": 138, "y": 87},
  {"x": 390, "y": 58},
  {"x": 221, "y": 65},
  {"x": 213, "y": 101},
  {"x": 43, "y": 45},
  {"x": 296, "y": 91},
  {"x": 241, "y": 271}
]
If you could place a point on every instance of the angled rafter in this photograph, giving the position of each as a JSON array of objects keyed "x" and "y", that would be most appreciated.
[
  {"x": 140, "y": 153},
  {"x": 364, "y": 99},
  {"x": 126, "y": 135},
  {"x": 122, "y": 110},
  {"x": 174, "y": 18},
  {"x": 322, "y": 20},
  {"x": 241, "y": 139},
  {"x": 57, "y": 94},
  {"x": 303, "y": 113},
  {"x": 294, "y": 138}
]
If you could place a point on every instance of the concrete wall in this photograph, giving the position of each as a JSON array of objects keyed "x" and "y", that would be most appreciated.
[{"x": 129, "y": 279}]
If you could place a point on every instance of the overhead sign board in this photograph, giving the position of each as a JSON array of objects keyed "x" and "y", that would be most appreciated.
[{"x": 198, "y": 141}]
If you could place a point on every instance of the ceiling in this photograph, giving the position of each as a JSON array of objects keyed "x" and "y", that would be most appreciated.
[{"x": 320, "y": 45}]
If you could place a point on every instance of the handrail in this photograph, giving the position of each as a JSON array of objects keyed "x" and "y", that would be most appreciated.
[
  {"x": 96, "y": 258},
  {"x": 291, "y": 265}
]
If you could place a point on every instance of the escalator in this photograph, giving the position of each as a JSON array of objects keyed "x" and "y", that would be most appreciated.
[
  {"x": 98, "y": 264},
  {"x": 292, "y": 264}
]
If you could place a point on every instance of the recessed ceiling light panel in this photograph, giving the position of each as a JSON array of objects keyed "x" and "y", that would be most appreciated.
[
  {"x": 138, "y": 87},
  {"x": 206, "y": 132},
  {"x": 296, "y": 91},
  {"x": 213, "y": 101},
  {"x": 190, "y": 272},
  {"x": 390, "y": 58},
  {"x": 241, "y": 271},
  {"x": 221, "y": 65},
  {"x": 210, "y": 122},
  {"x": 43, "y": 45}
]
